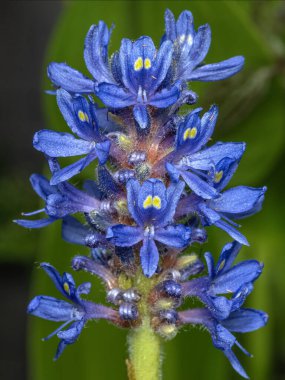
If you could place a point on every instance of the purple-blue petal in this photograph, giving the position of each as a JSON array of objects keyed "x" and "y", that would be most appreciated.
[
  {"x": 177, "y": 236},
  {"x": 51, "y": 308},
  {"x": 232, "y": 280},
  {"x": 73, "y": 169},
  {"x": 114, "y": 96},
  {"x": 59, "y": 144},
  {"x": 133, "y": 189},
  {"x": 70, "y": 79},
  {"x": 39, "y": 223},
  {"x": 166, "y": 97},
  {"x": 198, "y": 185},
  {"x": 41, "y": 186},
  {"x": 240, "y": 201},
  {"x": 70, "y": 106},
  {"x": 142, "y": 116},
  {"x": 246, "y": 320},
  {"x": 96, "y": 52},
  {"x": 149, "y": 257},
  {"x": 217, "y": 71},
  {"x": 124, "y": 236},
  {"x": 233, "y": 232}
]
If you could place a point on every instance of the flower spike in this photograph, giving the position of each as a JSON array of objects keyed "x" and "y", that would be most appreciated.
[{"x": 158, "y": 184}]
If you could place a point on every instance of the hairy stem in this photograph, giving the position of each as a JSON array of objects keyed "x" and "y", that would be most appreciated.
[
  {"x": 145, "y": 357},
  {"x": 144, "y": 344}
]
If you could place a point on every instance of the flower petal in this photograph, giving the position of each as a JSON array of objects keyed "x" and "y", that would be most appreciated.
[
  {"x": 35, "y": 223},
  {"x": 59, "y": 144},
  {"x": 73, "y": 169},
  {"x": 173, "y": 195},
  {"x": 114, "y": 96},
  {"x": 152, "y": 200},
  {"x": 70, "y": 79},
  {"x": 246, "y": 320},
  {"x": 124, "y": 236},
  {"x": 79, "y": 114},
  {"x": 233, "y": 279},
  {"x": 41, "y": 186},
  {"x": 198, "y": 185},
  {"x": 166, "y": 97},
  {"x": 51, "y": 308},
  {"x": 96, "y": 52},
  {"x": 133, "y": 189},
  {"x": 141, "y": 116},
  {"x": 239, "y": 202},
  {"x": 217, "y": 71},
  {"x": 177, "y": 236},
  {"x": 233, "y": 232},
  {"x": 198, "y": 52},
  {"x": 149, "y": 257},
  {"x": 228, "y": 256},
  {"x": 202, "y": 160}
]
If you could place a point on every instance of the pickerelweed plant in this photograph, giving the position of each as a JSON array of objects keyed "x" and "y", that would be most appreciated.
[{"x": 158, "y": 184}]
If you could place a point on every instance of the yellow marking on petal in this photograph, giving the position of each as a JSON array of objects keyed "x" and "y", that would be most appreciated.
[
  {"x": 82, "y": 116},
  {"x": 156, "y": 201},
  {"x": 190, "y": 133},
  {"x": 138, "y": 64},
  {"x": 147, "y": 63},
  {"x": 218, "y": 176},
  {"x": 66, "y": 287},
  {"x": 148, "y": 202},
  {"x": 222, "y": 265}
]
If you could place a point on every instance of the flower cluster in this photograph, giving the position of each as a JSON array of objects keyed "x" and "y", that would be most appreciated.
[{"x": 158, "y": 185}]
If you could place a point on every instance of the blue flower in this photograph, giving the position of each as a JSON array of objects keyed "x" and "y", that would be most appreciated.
[
  {"x": 152, "y": 206},
  {"x": 224, "y": 278},
  {"x": 235, "y": 203},
  {"x": 222, "y": 314},
  {"x": 191, "y": 48},
  {"x": 193, "y": 133},
  {"x": 138, "y": 74},
  {"x": 60, "y": 200},
  {"x": 242, "y": 320},
  {"x": 80, "y": 116},
  {"x": 140, "y": 71},
  {"x": 74, "y": 313}
]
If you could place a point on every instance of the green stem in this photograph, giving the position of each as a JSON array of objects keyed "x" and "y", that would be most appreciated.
[
  {"x": 144, "y": 344},
  {"x": 145, "y": 356}
]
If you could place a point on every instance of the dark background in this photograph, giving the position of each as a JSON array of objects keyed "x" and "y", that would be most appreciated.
[
  {"x": 251, "y": 109},
  {"x": 26, "y": 27}
]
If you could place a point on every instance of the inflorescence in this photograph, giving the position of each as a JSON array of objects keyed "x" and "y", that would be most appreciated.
[{"x": 158, "y": 185}]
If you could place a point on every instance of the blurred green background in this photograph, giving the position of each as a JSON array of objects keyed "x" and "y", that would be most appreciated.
[{"x": 252, "y": 109}]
